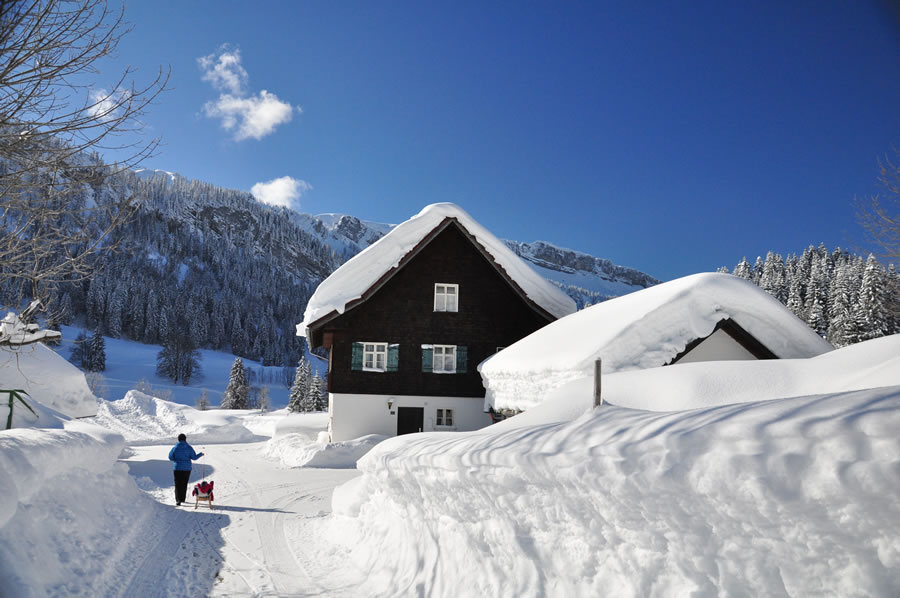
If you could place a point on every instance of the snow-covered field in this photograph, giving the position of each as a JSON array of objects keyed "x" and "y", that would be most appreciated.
[
  {"x": 128, "y": 362},
  {"x": 688, "y": 485}
]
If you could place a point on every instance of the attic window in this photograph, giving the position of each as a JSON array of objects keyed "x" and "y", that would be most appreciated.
[{"x": 446, "y": 297}]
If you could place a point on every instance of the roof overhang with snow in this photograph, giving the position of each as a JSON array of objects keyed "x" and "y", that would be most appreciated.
[{"x": 359, "y": 278}]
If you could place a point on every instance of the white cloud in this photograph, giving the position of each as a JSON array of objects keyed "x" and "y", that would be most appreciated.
[
  {"x": 246, "y": 114},
  {"x": 284, "y": 191},
  {"x": 224, "y": 70},
  {"x": 254, "y": 116}
]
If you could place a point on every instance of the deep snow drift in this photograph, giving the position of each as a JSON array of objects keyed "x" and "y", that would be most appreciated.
[
  {"x": 791, "y": 497},
  {"x": 779, "y": 497}
]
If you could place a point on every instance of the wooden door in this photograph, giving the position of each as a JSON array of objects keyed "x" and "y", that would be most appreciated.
[{"x": 410, "y": 420}]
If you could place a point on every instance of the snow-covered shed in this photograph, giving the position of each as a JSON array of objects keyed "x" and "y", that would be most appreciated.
[
  {"x": 406, "y": 320},
  {"x": 703, "y": 317}
]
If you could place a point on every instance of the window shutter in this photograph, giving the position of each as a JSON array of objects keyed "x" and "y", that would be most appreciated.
[
  {"x": 393, "y": 357},
  {"x": 461, "y": 359},
  {"x": 356, "y": 357},
  {"x": 427, "y": 359}
]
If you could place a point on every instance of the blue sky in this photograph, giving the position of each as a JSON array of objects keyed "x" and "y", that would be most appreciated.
[{"x": 671, "y": 137}]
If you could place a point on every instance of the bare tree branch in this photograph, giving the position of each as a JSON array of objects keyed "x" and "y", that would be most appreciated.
[
  {"x": 58, "y": 200},
  {"x": 879, "y": 215}
]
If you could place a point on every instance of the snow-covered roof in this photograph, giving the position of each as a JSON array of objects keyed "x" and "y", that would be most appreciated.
[
  {"x": 356, "y": 276},
  {"x": 644, "y": 329}
]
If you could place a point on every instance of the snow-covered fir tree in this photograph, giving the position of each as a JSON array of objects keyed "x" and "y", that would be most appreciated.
[
  {"x": 743, "y": 269},
  {"x": 97, "y": 353},
  {"x": 872, "y": 313},
  {"x": 299, "y": 389},
  {"x": 842, "y": 296},
  {"x": 318, "y": 393},
  {"x": 237, "y": 393}
]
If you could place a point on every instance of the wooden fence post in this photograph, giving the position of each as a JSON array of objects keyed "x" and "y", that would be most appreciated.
[{"x": 598, "y": 399}]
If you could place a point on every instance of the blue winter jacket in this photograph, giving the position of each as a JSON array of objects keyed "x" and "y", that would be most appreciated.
[{"x": 183, "y": 453}]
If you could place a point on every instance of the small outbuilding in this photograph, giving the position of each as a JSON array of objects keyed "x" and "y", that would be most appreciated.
[
  {"x": 408, "y": 319},
  {"x": 703, "y": 317}
]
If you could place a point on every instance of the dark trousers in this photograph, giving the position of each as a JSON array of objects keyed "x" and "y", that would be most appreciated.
[{"x": 181, "y": 482}]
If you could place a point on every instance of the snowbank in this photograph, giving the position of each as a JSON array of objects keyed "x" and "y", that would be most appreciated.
[
  {"x": 140, "y": 418},
  {"x": 787, "y": 497},
  {"x": 50, "y": 381},
  {"x": 357, "y": 275},
  {"x": 306, "y": 424},
  {"x": 644, "y": 329},
  {"x": 298, "y": 450},
  {"x": 62, "y": 497},
  {"x": 864, "y": 365}
]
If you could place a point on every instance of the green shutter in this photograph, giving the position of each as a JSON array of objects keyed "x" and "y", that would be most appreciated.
[
  {"x": 461, "y": 359},
  {"x": 427, "y": 359},
  {"x": 356, "y": 356},
  {"x": 393, "y": 357}
]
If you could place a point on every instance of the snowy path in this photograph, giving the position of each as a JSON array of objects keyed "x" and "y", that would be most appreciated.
[{"x": 255, "y": 542}]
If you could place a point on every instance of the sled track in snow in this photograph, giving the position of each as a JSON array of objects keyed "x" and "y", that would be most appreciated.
[
  {"x": 285, "y": 574},
  {"x": 147, "y": 580}
]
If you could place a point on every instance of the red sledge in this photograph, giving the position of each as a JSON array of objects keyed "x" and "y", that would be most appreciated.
[{"x": 203, "y": 491}]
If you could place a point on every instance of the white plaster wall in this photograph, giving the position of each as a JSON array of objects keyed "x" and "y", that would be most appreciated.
[
  {"x": 354, "y": 415},
  {"x": 719, "y": 346}
]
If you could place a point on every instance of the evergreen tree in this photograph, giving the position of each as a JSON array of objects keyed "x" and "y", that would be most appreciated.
[
  {"x": 743, "y": 269},
  {"x": 312, "y": 398},
  {"x": 872, "y": 315},
  {"x": 840, "y": 310},
  {"x": 97, "y": 362},
  {"x": 300, "y": 387},
  {"x": 795, "y": 298},
  {"x": 321, "y": 393},
  {"x": 772, "y": 278},
  {"x": 237, "y": 394},
  {"x": 757, "y": 270}
]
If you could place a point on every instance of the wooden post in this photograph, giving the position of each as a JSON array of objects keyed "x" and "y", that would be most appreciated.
[{"x": 598, "y": 400}]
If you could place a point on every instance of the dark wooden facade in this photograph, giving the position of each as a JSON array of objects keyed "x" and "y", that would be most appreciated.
[{"x": 493, "y": 312}]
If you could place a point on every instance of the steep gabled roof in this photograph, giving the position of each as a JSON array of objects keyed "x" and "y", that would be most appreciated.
[
  {"x": 644, "y": 329},
  {"x": 359, "y": 277}
]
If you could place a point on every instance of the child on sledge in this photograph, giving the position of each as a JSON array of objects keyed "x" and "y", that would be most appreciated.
[{"x": 182, "y": 454}]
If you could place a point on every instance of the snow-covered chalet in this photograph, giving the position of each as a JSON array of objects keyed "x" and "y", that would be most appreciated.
[
  {"x": 702, "y": 317},
  {"x": 407, "y": 320}
]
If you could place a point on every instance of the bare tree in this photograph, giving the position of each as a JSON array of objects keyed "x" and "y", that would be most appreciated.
[
  {"x": 58, "y": 201},
  {"x": 879, "y": 214}
]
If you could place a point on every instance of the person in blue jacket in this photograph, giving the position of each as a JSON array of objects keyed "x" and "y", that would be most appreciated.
[{"x": 182, "y": 454}]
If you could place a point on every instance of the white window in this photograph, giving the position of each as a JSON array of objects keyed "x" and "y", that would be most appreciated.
[
  {"x": 446, "y": 297},
  {"x": 374, "y": 357},
  {"x": 444, "y": 417},
  {"x": 444, "y": 359}
]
